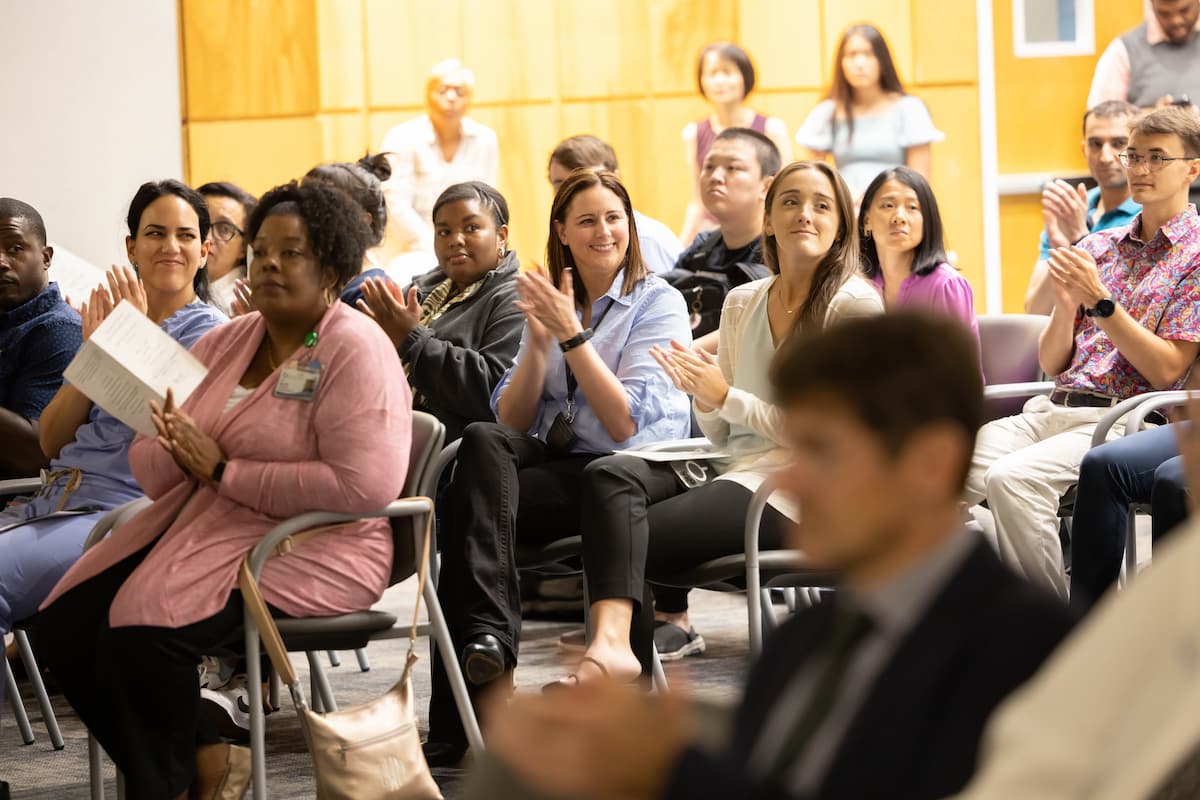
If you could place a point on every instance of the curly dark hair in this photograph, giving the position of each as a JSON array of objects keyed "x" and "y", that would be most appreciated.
[{"x": 336, "y": 229}]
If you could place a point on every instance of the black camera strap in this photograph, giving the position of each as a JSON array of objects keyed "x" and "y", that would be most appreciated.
[{"x": 572, "y": 383}]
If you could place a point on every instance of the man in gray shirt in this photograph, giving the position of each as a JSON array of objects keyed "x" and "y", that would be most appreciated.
[{"x": 883, "y": 689}]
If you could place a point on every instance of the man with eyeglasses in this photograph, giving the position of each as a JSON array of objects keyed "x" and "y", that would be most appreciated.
[
  {"x": 432, "y": 152},
  {"x": 1072, "y": 212},
  {"x": 1126, "y": 320}
]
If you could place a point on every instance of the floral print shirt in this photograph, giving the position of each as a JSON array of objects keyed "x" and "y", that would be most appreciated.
[{"x": 1156, "y": 282}]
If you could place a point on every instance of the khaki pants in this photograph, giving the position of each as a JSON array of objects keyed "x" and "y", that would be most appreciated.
[{"x": 1022, "y": 466}]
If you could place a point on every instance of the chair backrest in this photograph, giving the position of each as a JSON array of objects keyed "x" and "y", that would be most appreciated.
[
  {"x": 1008, "y": 343},
  {"x": 428, "y": 433}
]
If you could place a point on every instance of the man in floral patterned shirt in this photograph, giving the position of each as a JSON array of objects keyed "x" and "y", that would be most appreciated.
[{"x": 1126, "y": 320}]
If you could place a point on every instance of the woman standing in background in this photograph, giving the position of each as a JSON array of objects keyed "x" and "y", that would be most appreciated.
[
  {"x": 866, "y": 120},
  {"x": 725, "y": 76}
]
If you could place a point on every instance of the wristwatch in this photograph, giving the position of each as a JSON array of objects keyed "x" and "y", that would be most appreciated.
[
  {"x": 218, "y": 471},
  {"x": 1104, "y": 308},
  {"x": 575, "y": 341}
]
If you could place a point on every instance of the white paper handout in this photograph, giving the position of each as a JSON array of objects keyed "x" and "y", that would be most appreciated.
[
  {"x": 697, "y": 449},
  {"x": 129, "y": 361},
  {"x": 75, "y": 277}
]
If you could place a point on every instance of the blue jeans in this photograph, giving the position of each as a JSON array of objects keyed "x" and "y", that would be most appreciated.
[{"x": 1142, "y": 468}]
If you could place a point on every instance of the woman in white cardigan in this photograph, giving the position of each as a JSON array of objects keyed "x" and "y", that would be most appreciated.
[{"x": 638, "y": 523}]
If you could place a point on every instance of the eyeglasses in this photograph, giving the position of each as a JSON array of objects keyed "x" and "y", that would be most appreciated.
[
  {"x": 1154, "y": 161},
  {"x": 445, "y": 89},
  {"x": 224, "y": 231}
]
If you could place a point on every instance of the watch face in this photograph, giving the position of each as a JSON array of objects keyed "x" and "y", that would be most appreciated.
[{"x": 1104, "y": 308}]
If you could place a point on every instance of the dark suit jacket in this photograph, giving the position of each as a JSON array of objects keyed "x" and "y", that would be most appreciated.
[{"x": 917, "y": 733}]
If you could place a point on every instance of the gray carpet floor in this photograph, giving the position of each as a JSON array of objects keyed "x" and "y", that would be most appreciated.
[{"x": 37, "y": 772}]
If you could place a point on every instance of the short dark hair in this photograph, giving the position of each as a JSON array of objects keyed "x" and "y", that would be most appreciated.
[
  {"x": 150, "y": 191},
  {"x": 232, "y": 191},
  {"x": 487, "y": 197},
  {"x": 584, "y": 152},
  {"x": 840, "y": 91},
  {"x": 932, "y": 250},
  {"x": 731, "y": 52},
  {"x": 769, "y": 160},
  {"x": 1109, "y": 109},
  {"x": 363, "y": 181},
  {"x": 12, "y": 208},
  {"x": 558, "y": 255},
  {"x": 1172, "y": 119},
  {"x": 895, "y": 372},
  {"x": 336, "y": 230}
]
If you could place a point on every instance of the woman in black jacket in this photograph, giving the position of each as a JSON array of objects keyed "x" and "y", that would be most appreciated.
[{"x": 457, "y": 327}]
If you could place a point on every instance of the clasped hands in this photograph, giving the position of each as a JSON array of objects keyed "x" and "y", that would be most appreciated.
[
  {"x": 694, "y": 371},
  {"x": 194, "y": 451},
  {"x": 549, "y": 311},
  {"x": 1075, "y": 278}
]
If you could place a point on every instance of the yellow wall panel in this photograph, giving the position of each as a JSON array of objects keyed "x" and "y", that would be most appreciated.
[
  {"x": 340, "y": 42},
  {"x": 792, "y": 107},
  {"x": 956, "y": 178},
  {"x": 404, "y": 39},
  {"x": 250, "y": 59},
  {"x": 523, "y": 171},
  {"x": 890, "y": 16},
  {"x": 602, "y": 51},
  {"x": 256, "y": 154},
  {"x": 679, "y": 28},
  {"x": 344, "y": 136},
  {"x": 1020, "y": 226},
  {"x": 672, "y": 173},
  {"x": 936, "y": 59},
  {"x": 509, "y": 46},
  {"x": 623, "y": 124},
  {"x": 784, "y": 39}
]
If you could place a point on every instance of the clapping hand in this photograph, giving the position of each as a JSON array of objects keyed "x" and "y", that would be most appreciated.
[
  {"x": 549, "y": 311},
  {"x": 695, "y": 371},
  {"x": 194, "y": 451},
  {"x": 1076, "y": 280},
  {"x": 384, "y": 302},
  {"x": 243, "y": 299},
  {"x": 123, "y": 284},
  {"x": 1067, "y": 206}
]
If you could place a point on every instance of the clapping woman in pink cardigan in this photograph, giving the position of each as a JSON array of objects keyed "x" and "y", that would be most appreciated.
[{"x": 305, "y": 407}]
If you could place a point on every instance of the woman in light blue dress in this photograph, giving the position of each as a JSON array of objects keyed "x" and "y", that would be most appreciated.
[
  {"x": 89, "y": 468},
  {"x": 866, "y": 121}
]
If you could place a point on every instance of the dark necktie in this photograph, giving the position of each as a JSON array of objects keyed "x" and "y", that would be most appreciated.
[
  {"x": 1183, "y": 783},
  {"x": 850, "y": 627}
]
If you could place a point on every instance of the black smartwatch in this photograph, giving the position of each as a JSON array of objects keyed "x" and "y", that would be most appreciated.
[
  {"x": 218, "y": 471},
  {"x": 1103, "y": 308},
  {"x": 575, "y": 341}
]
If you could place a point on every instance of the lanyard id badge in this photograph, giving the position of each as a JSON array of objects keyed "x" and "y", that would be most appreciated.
[{"x": 299, "y": 381}]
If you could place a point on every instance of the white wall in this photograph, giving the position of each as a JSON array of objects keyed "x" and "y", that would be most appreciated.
[{"x": 89, "y": 109}]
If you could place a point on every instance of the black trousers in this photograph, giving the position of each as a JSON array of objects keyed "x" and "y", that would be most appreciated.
[
  {"x": 507, "y": 487},
  {"x": 640, "y": 524},
  {"x": 134, "y": 687}
]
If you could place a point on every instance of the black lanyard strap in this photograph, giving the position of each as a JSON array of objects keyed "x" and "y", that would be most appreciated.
[{"x": 572, "y": 383}]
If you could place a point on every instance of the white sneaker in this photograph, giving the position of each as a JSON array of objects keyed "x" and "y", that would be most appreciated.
[{"x": 227, "y": 709}]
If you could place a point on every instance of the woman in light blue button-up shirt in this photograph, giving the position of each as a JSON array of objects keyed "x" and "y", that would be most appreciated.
[{"x": 583, "y": 384}]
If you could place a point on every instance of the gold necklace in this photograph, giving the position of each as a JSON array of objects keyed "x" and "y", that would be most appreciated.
[{"x": 779, "y": 297}]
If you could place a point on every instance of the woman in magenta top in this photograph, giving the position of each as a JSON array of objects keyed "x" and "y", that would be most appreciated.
[
  {"x": 903, "y": 252},
  {"x": 725, "y": 77}
]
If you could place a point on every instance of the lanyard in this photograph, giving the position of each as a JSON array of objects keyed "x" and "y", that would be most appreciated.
[{"x": 573, "y": 384}]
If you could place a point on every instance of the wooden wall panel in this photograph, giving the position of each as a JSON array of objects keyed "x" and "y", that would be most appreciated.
[
  {"x": 256, "y": 154},
  {"x": 956, "y": 170},
  {"x": 404, "y": 39},
  {"x": 623, "y": 124},
  {"x": 784, "y": 39},
  {"x": 1021, "y": 225},
  {"x": 523, "y": 170},
  {"x": 891, "y": 17},
  {"x": 679, "y": 28},
  {"x": 939, "y": 60},
  {"x": 508, "y": 45},
  {"x": 602, "y": 51},
  {"x": 344, "y": 136},
  {"x": 247, "y": 60},
  {"x": 340, "y": 55},
  {"x": 672, "y": 174}
]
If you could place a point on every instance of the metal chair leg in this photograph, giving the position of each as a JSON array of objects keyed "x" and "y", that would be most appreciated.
[
  {"x": 258, "y": 750},
  {"x": 789, "y": 598},
  {"x": 321, "y": 684},
  {"x": 364, "y": 663},
  {"x": 120, "y": 785},
  {"x": 95, "y": 768},
  {"x": 334, "y": 659},
  {"x": 273, "y": 691},
  {"x": 659, "y": 675},
  {"x": 39, "y": 688},
  {"x": 458, "y": 686},
  {"x": 14, "y": 699}
]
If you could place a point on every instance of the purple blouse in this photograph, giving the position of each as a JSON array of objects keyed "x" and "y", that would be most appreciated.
[{"x": 943, "y": 290}]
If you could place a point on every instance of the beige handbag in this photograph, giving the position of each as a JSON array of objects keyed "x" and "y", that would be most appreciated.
[{"x": 371, "y": 751}]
